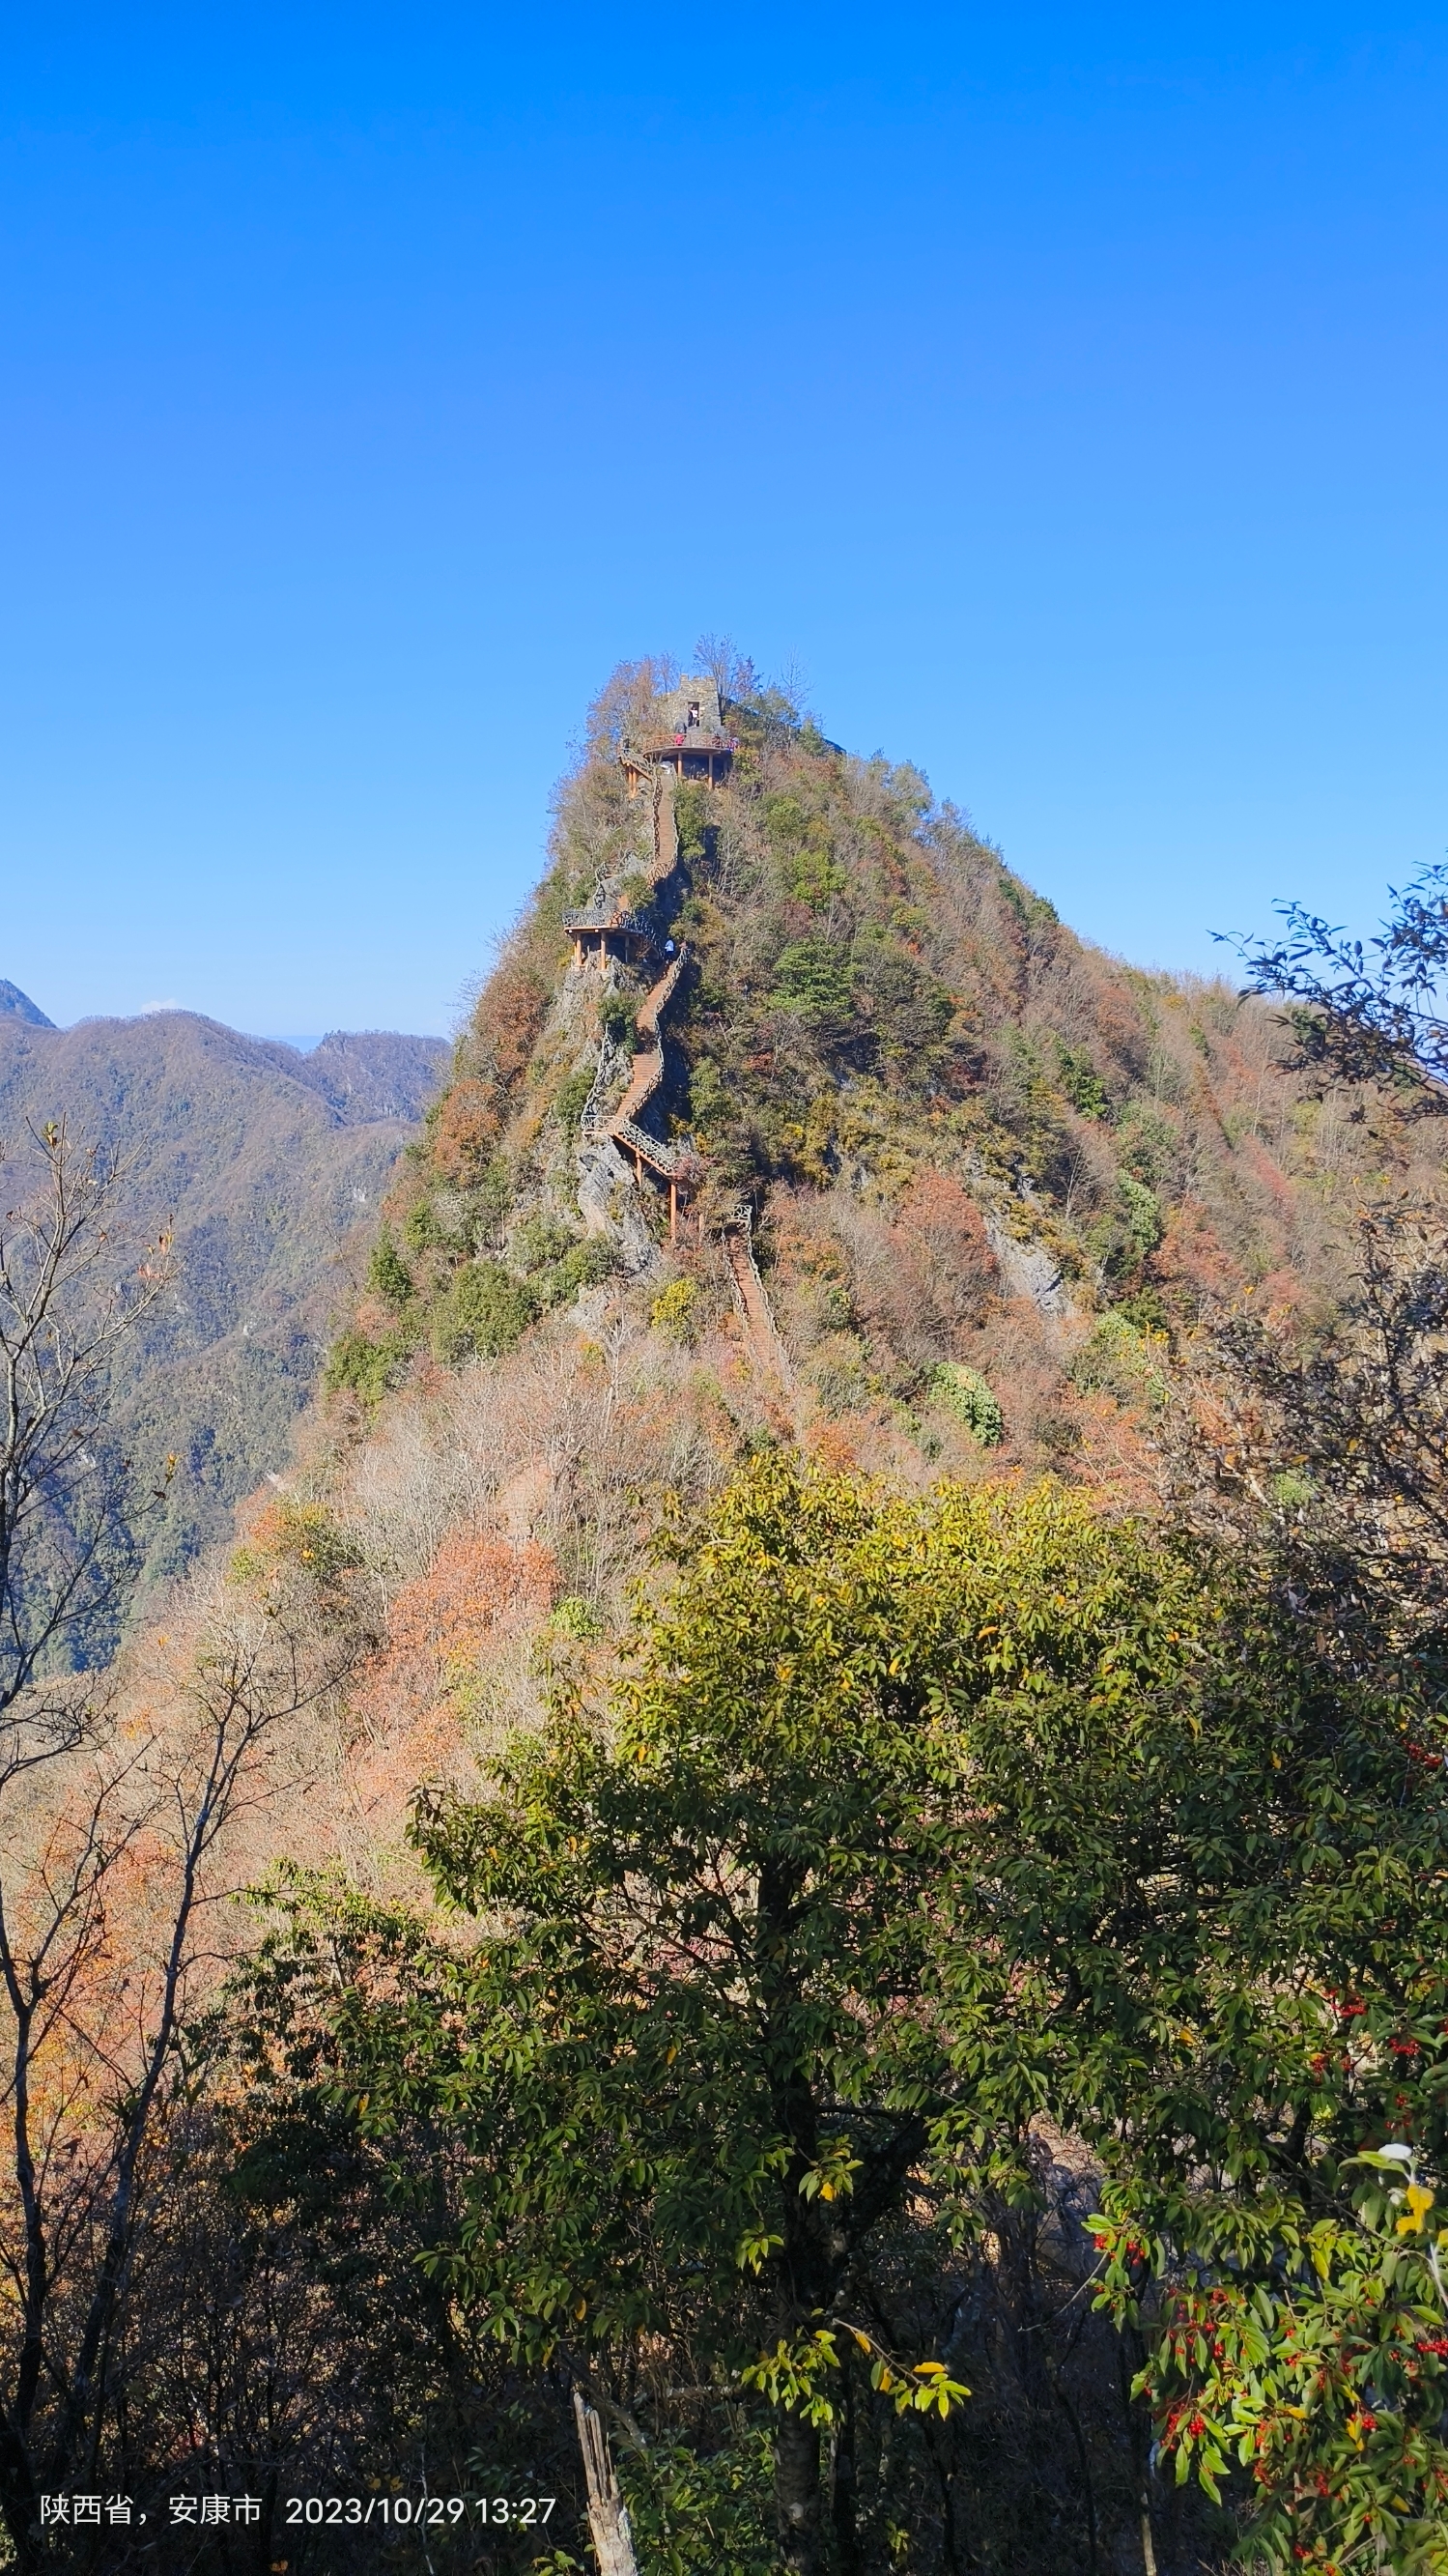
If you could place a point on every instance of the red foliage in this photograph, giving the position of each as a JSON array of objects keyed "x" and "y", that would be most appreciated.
[
  {"x": 942, "y": 1233},
  {"x": 480, "y": 1591},
  {"x": 1117, "y": 1461},
  {"x": 465, "y": 1131},
  {"x": 510, "y": 1013},
  {"x": 1266, "y": 1169},
  {"x": 1192, "y": 1255},
  {"x": 937, "y": 1271},
  {"x": 832, "y": 1446},
  {"x": 476, "y": 1583},
  {"x": 469, "y": 1118}
]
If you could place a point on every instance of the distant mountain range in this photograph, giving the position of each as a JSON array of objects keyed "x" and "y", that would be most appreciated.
[
  {"x": 15, "y": 1005},
  {"x": 263, "y": 1162}
]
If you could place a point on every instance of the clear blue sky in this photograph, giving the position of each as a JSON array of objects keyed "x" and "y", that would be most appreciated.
[{"x": 1062, "y": 391}]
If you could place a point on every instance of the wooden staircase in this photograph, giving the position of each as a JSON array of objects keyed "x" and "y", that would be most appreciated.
[
  {"x": 761, "y": 1332},
  {"x": 673, "y": 1164},
  {"x": 669, "y": 1161}
]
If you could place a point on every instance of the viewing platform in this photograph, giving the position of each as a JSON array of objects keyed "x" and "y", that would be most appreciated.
[
  {"x": 690, "y": 741},
  {"x": 597, "y": 931},
  {"x": 690, "y": 754}
]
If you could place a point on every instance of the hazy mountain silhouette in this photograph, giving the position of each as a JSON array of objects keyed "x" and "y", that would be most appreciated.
[
  {"x": 262, "y": 1162},
  {"x": 15, "y": 1005}
]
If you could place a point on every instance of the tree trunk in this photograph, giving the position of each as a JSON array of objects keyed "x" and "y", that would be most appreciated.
[
  {"x": 844, "y": 2501},
  {"x": 18, "y": 2492},
  {"x": 607, "y": 2513},
  {"x": 1131, "y": 2343},
  {"x": 797, "y": 2494}
]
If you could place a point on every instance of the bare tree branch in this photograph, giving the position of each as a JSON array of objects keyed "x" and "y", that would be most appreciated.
[{"x": 71, "y": 1291}]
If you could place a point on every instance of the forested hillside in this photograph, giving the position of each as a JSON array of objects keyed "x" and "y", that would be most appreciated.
[
  {"x": 262, "y": 1164},
  {"x": 988, "y": 1175},
  {"x": 808, "y": 1828}
]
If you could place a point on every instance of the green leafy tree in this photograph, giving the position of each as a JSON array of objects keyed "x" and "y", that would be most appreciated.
[
  {"x": 618, "y": 1011},
  {"x": 1311, "y": 2352},
  {"x": 1290, "y": 2303},
  {"x": 965, "y": 1393},
  {"x": 817, "y": 984},
  {"x": 904, "y": 1824},
  {"x": 1284, "y": 2256},
  {"x": 751, "y": 2009},
  {"x": 485, "y": 1312},
  {"x": 388, "y": 1275}
]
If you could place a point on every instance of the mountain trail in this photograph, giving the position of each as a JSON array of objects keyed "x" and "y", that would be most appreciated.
[
  {"x": 760, "y": 1330},
  {"x": 648, "y": 1073}
]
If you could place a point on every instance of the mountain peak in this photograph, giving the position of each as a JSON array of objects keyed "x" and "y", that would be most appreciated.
[
  {"x": 783, "y": 1066},
  {"x": 15, "y": 1005}
]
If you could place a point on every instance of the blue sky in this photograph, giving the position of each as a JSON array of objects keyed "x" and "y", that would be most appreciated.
[{"x": 1059, "y": 391}]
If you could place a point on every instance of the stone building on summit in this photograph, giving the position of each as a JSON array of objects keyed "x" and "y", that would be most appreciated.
[{"x": 689, "y": 738}]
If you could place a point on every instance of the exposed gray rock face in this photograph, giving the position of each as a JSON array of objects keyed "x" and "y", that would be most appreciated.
[
  {"x": 1030, "y": 1270},
  {"x": 609, "y": 1204}
]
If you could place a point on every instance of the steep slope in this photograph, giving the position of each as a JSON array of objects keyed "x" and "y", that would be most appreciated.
[
  {"x": 983, "y": 1175},
  {"x": 879, "y": 1159},
  {"x": 789, "y": 1115},
  {"x": 263, "y": 1163}
]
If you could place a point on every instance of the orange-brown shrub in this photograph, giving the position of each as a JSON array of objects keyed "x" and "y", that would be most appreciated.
[
  {"x": 943, "y": 1239},
  {"x": 476, "y": 1582},
  {"x": 924, "y": 1279},
  {"x": 510, "y": 1012},
  {"x": 465, "y": 1622},
  {"x": 464, "y": 1132}
]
